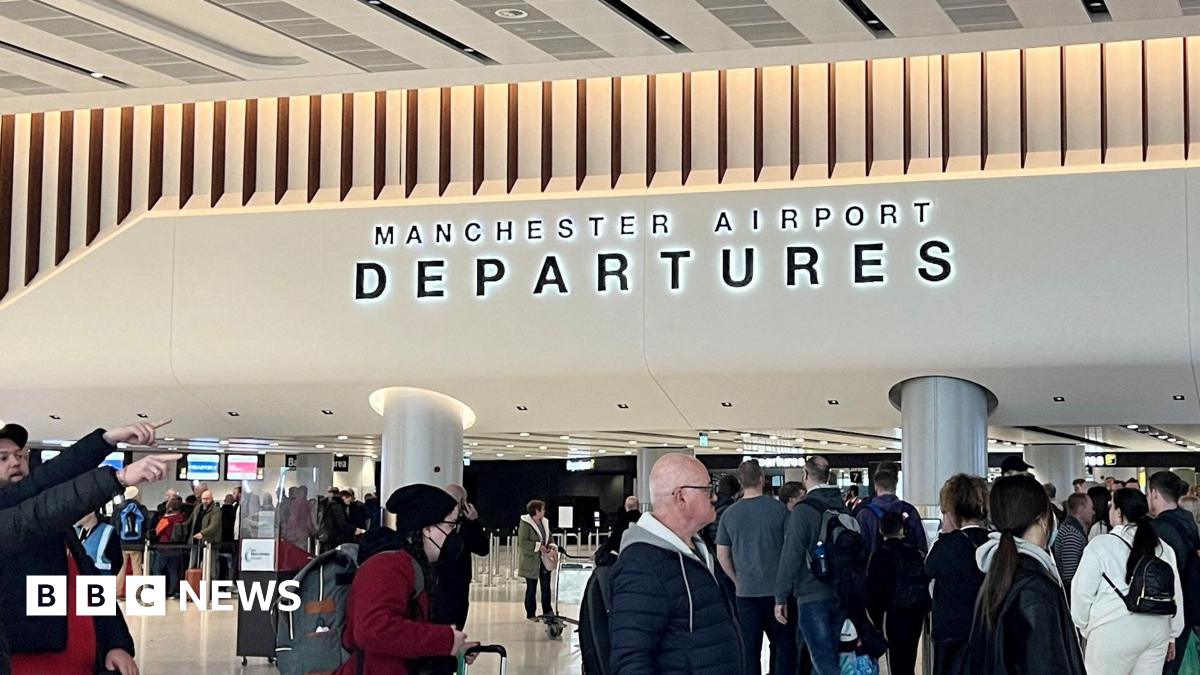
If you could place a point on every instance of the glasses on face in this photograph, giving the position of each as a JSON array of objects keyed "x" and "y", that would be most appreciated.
[
  {"x": 454, "y": 526},
  {"x": 707, "y": 489}
]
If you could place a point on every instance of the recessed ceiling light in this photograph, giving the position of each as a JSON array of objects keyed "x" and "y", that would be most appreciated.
[
  {"x": 55, "y": 417},
  {"x": 603, "y": 452},
  {"x": 823, "y": 442},
  {"x": 326, "y": 412},
  {"x": 168, "y": 439},
  {"x": 1178, "y": 397},
  {"x": 510, "y": 445},
  {"x": 262, "y": 452},
  {"x": 716, "y": 447},
  {"x": 1163, "y": 436},
  {"x": 524, "y": 434},
  {"x": 873, "y": 22},
  {"x": 1059, "y": 399},
  {"x": 98, "y": 75},
  {"x": 143, "y": 416},
  {"x": 726, "y": 404},
  {"x": 623, "y": 406},
  {"x": 222, "y": 442},
  {"x": 543, "y": 447},
  {"x": 633, "y": 442},
  {"x": 629, "y": 452},
  {"x": 320, "y": 446},
  {"x": 773, "y": 437},
  {"x": 1131, "y": 426},
  {"x": 833, "y": 401},
  {"x": 499, "y": 454},
  {"x": 564, "y": 438},
  {"x": 992, "y": 441},
  {"x": 343, "y": 438},
  {"x": 690, "y": 447},
  {"x": 274, "y": 445},
  {"x": 373, "y": 2},
  {"x": 474, "y": 443},
  {"x": 233, "y": 413},
  {"x": 511, "y": 13},
  {"x": 527, "y": 456},
  {"x": 1170, "y": 440},
  {"x": 522, "y": 408}
]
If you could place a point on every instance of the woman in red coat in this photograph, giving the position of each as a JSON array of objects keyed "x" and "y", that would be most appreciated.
[{"x": 387, "y": 628}]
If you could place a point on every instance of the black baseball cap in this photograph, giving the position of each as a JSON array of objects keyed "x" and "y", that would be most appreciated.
[
  {"x": 1014, "y": 463},
  {"x": 15, "y": 433}
]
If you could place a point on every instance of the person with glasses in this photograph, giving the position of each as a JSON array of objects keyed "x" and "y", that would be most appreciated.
[
  {"x": 452, "y": 602},
  {"x": 389, "y": 627},
  {"x": 668, "y": 614},
  {"x": 533, "y": 540}
]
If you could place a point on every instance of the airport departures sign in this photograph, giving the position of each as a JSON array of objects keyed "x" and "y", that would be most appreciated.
[{"x": 804, "y": 261}]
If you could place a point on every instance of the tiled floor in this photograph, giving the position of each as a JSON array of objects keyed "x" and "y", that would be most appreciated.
[{"x": 204, "y": 643}]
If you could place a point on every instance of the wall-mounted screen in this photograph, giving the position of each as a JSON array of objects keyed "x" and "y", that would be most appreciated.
[
  {"x": 199, "y": 467},
  {"x": 114, "y": 459},
  {"x": 244, "y": 467}
]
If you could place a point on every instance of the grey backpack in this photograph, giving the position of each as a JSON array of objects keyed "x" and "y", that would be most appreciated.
[{"x": 308, "y": 639}]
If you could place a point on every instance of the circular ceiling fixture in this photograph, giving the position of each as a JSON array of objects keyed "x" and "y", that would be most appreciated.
[{"x": 511, "y": 13}]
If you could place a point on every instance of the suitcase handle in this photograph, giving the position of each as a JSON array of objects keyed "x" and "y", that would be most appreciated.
[{"x": 487, "y": 649}]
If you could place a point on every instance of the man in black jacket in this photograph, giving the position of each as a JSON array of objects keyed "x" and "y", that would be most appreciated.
[
  {"x": 454, "y": 575},
  {"x": 40, "y": 643},
  {"x": 1178, "y": 530},
  {"x": 668, "y": 614}
]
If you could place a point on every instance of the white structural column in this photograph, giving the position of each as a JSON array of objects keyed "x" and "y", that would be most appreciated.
[
  {"x": 944, "y": 422},
  {"x": 645, "y": 461},
  {"x": 1058, "y": 464},
  {"x": 422, "y": 437}
]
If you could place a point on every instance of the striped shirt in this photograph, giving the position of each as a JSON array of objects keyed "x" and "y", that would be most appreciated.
[{"x": 1068, "y": 549}]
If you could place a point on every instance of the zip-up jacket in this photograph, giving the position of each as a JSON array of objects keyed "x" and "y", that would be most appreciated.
[{"x": 668, "y": 615}]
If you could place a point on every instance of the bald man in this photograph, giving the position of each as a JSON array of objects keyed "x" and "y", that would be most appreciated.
[
  {"x": 453, "y": 599},
  {"x": 204, "y": 527},
  {"x": 668, "y": 615}
]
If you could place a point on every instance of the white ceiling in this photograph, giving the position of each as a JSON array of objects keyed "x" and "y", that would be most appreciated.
[
  {"x": 153, "y": 51},
  {"x": 591, "y": 444}
]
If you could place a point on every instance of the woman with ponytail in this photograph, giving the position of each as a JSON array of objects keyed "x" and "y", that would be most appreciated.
[
  {"x": 1120, "y": 642},
  {"x": 1021, "y": 624}
]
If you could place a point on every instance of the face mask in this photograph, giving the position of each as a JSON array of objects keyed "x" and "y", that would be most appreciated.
[{"x": 451, "y": 548}]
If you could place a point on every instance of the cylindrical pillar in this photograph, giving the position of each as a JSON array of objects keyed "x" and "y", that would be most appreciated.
[
  {"x": 1057, "y": 464},
  {"x": 645, "y": 461},
  {"x": 422, "y": 437},
  {"x": 944, "y": 422}
]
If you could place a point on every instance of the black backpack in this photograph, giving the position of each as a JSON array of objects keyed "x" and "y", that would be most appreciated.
[
  {"x": 594, "y": 644},
  {"x": 839, "y": 557},
  {"x": 911, "y": 590},
  {"x": 1152, "y": 587}
]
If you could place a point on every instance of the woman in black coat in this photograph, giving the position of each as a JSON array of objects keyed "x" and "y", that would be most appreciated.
[{"x": 1022, "y": 624}]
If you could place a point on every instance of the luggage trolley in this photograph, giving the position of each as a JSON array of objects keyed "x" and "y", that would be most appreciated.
[{"x": 570, "y": 580}]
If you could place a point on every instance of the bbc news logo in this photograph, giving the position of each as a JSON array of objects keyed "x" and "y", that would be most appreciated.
[{"x": 147, "y": 595}]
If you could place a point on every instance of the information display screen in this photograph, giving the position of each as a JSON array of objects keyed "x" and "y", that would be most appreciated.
[
  {"x": 114, "y": 459},
  {"x": 243, "y": 467},
  {"x": 200, "y": 467}
]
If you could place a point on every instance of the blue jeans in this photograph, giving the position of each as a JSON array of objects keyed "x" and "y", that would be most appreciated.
[
  {"x": 756, "y": 616},
  {"x": 819, "y": 627}
]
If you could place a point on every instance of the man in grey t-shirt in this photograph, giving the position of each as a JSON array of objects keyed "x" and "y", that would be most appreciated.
[{"x": 749, "y": 543}]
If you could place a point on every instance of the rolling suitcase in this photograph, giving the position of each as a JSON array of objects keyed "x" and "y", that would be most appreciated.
[
  {"x": 194, "y": 578},
  {"x": 484, "y": 649}
]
